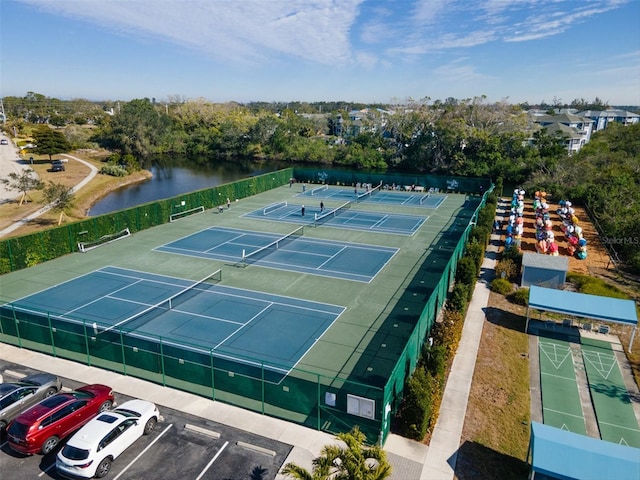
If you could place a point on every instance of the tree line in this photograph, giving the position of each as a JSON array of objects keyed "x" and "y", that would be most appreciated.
[{"x": 468, "y": 137}]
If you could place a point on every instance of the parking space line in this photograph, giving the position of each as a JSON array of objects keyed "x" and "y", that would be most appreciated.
[
  {"x": 48, "y": 468},
  {"x": 143, "y": 452},
  {"x": 215, "y": 457}
]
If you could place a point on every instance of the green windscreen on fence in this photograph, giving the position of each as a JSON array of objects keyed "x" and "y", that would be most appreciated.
[
  {"x": 29, "y": 250},
  {"x": 313, "y": 399}
]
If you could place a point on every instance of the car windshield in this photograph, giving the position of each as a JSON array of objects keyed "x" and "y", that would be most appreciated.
[
  {"x": 73, "y": 453},
  {"x": 127, "y": 413},
  {"x": 6, "y": 388},
  {"x": 82, "y": 395}
]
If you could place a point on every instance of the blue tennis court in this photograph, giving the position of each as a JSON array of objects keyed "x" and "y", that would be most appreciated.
[
  {"x": 340, "y": 216},
  {"x": 427, "y": 199},
  {"x": 234, "y": 324},
  {"x": 293, "y": 252}
]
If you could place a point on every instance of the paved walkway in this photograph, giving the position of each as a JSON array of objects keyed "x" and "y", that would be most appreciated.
[
  {"x": 10, "y": 162},
  {"x": 441, "y": 457},
  {"x": 46, "y": 208}
]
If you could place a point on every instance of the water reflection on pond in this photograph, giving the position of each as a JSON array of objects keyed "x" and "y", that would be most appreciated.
[{"x": 175, "y": 176}]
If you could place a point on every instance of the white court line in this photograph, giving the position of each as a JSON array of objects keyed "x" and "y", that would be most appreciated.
[
  {"x": 215, "y": 457},
  {"x": 571, "y": 379},
  {"x": 244, "y": 325},
  {"x": 142, "y": 452},
  {"x": 631, "y": 429},
  {"x": 563, "y": 413},
  {"x": 330, "y": 258}
]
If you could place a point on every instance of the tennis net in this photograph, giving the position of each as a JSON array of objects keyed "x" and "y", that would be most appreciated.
[
  {"x": 424, "y": 198},
  {"x": 323, "y": 217},
  {"x": 319, "y": 189},
  {"x": 103, "y": 240},
  {"x": 154, "y": 311},
  {"x": 369, "y": 193},
  {"x": 273, "y": 246},
  {"x": 273, "y": 207},
  {"x": 186, "y": 213}
]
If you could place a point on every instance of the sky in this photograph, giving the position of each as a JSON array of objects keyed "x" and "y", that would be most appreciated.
[{"x": 368, "y": 51}]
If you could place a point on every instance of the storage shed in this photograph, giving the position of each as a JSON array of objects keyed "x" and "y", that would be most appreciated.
[{"x": 543, "y": 270}]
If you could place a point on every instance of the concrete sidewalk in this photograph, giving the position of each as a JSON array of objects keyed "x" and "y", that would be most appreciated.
[{"x": 440, "y": 462}]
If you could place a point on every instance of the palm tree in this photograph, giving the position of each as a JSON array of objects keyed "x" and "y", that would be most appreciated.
[{"x": 353, "y": 462}]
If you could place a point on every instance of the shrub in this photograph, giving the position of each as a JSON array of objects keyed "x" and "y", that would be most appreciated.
[
  {"x": 113, "y": 170},
  {"x": 513, "y": 254},
  {"x": 415, "y": 409},
  {"x": 501, "y": 286},
  {"x": 435, "y": 361},
  {"x": 467, "y": 272},
  {"x": 459, "y": 297},
  {"x": 595, "y": 286},
  {"x": 520, "y": 296},
  {"x": 448, "y": 332},
  {"x": 507, "y": 267},
  {"x": 480, "y": 234},
  {"x": 486, "y": 216},
  {"x": 475, "y": 250}
]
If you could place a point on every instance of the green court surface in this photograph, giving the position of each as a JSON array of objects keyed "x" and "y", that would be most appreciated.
[
  {"x": 356, "y": 355},
  {"x": 561, "y": 406},
  {"x": 614, "y": 412}
]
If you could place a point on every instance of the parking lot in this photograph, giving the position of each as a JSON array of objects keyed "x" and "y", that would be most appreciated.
[{"x": 181, "y": 446}]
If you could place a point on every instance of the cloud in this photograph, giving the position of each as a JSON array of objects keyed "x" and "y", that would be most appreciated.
[
  {"x": 247, "y": 31},
  {"x": 458, "y": 71}
]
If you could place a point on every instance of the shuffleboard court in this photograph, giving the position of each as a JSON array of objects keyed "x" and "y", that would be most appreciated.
[
  {"x": 614, "y": 411},
  {"x": 340, "y": 216},
  {"x": 251, "y": 329},
  {"x": 561, "y": 405},
  {"x": 349, "y": 261}
]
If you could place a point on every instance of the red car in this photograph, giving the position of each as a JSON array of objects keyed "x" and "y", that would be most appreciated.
[{"x": 41, "y": 427}]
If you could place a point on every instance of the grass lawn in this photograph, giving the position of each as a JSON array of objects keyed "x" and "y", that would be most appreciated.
[
  {"x": 495, "y": 436},
  {"x": 74, "y": 173}
]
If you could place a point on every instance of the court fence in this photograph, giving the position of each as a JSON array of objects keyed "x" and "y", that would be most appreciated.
[
  {"x": 314, "y": 399},
  {"x": 28, "y": 250},
  {"x": 389, "y": 180}
]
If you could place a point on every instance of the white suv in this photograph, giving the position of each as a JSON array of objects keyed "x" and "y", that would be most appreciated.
[{"x": 90, "y": 451}]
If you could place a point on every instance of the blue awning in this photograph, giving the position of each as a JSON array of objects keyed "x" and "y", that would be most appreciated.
[
  {"x": 570, "y": 456},
  {"x": 583, "y": 305}
]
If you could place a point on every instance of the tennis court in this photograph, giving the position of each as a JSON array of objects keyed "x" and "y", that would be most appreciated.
[
  {"x": 342, "y": 216},
  {"x": 561, "y": 405},
  {"x": 376, "y": 194},
  {"x": 293, "y": 252},
  {"x": 614, "y": 411},
  {"x": 234, "y": 324}
]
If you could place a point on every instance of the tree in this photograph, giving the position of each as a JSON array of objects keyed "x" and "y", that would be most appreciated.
[
  {"x": 23, "y": 182},
  {"x": 60, "y": 197},
  {"x": 50, "y": 142},
  {"x": 354, "y": 461}
]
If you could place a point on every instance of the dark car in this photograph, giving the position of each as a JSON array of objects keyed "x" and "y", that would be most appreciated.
[
  {"x": 57, "y": 166},
  {"x": 41, "y": 427}
]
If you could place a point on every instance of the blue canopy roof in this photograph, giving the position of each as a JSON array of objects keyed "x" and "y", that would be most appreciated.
[
  {"x": 583, "y": 305},
  {"x": 570, "y": 456}
]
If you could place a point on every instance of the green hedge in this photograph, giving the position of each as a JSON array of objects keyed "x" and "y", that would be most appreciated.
[{"x": 29, "y": 250}]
